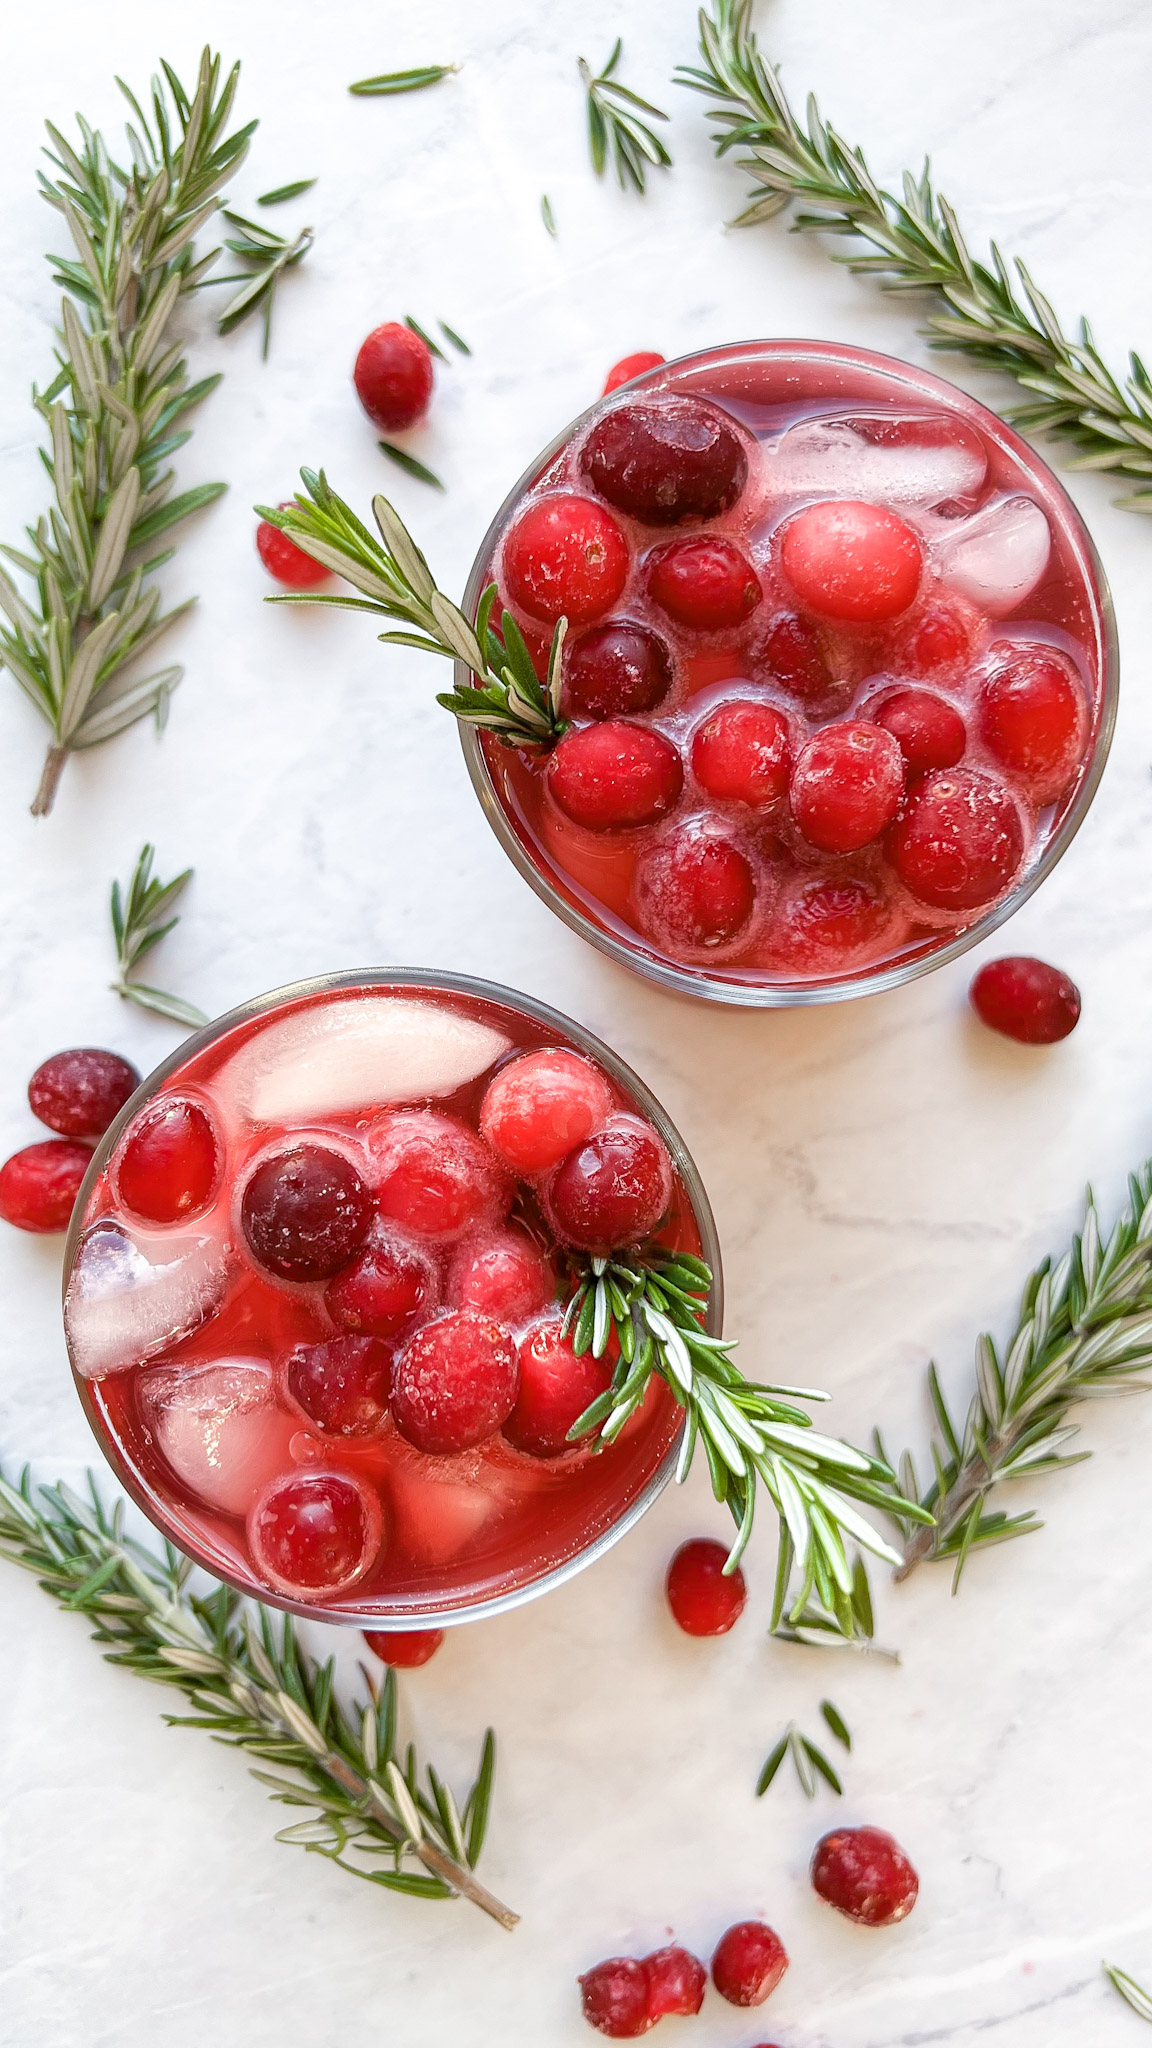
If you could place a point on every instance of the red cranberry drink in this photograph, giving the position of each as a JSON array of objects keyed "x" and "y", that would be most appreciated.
[
  {"x": 315, "y": 1288},
  {"x": 839, "y": 674}
]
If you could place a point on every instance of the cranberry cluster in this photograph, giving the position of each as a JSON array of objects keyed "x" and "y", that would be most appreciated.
[{"x": 77, "y": 1094}]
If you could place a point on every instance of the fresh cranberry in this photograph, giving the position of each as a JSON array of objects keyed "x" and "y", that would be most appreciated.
[
  {"x": 394, "y": 376},
  {"x": 168, "y": 1162},
  {"x": 1033, "y": 718},
  {"x": 929, "y": 731},
  {"x": 631, "y": 366},
  {"x": 825, "y": 922},
  {"x": 614, "y": 1998},
  {"x": 615, "y": 669},
  {"x": 454, "y": 1383},
  {"x": 613, "y": 1189},
  {"x": 614, "y": 775},
  {"x": 703, "y": 1601},
  {"x": 504, "y": 1274},
  {"x": 39, "y": 1186},
  {"x": 565, "y": 556},
  {"x": 540, "y": 1105},
  {"x": 284, "y": 560},
  {"x": 741, "y": 754},
  {"x": 749, "y": 1963},
  {"x": 793, "y": 657},
  {"x": 342, "y": 1385},
  {"x": 663, "y": 459},
  {"x": 676, "y": 1982},
  {"x": 404, "y": 1649},
  {"x": 865, "y": 1874},
  {"x": 388, "y": 1287},
  {"x": 694, "y": 889},
  {"x": 846, "y": 785},
  {"x": 315, "y": 1532},
  {"x": 305, "y": 1213},
  {"x": 555, "y": 1388},
  {"x": 704, "y": 582},
  {"x": 937, "y": 643},
  {"x": 433, "y": 1175},
  {"x": 1026, "y": 999},
  {"x": 959, "y": 840},
  {"x": 852, "y": 561},
  {"x": 80, "y": 1093}
]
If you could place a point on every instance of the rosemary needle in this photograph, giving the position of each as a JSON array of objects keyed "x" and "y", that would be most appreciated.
[
  {"x": 405, "y": 461},
  {"x": 432, "y": 346},
  {"x": 401, "y": 81},
  {"x": 283, "y": 192},
  {"x": 546, "y": 213},
  {"x": 615, "y": 128}
]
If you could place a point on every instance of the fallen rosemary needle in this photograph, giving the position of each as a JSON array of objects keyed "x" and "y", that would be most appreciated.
[
  {"x": 140, "y": 920},
  {"x": 388, "y": 82},
  {"x": 1129, "y": 1990},
  {"x": 615, "y": 127},
  {"x": 808, "y": 1759},
  {"x": 266, "y": 257}
]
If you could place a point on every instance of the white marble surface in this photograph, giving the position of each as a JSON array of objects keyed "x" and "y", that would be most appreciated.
[{"x": 883, "y": 1172}]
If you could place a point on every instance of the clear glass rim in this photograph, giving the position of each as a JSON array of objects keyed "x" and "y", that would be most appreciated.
[
  {"x": 695, "y": 982},
  {"x": 540, "y": 1013}
]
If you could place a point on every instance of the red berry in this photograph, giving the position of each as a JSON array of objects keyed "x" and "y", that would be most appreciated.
[
  {"x": 169, "y": 1161},
  {"x": 284, "y": 560},
  {"x": 393, "y": 376},
  {"x": 929, "y": 731},
  {"x": 663, "y": 459},
  {"x": 852, "y": 561},
  {"x": 565, "y": 556},
  {"x": 865, "y": 1874},
  {"x": 749, "y": 1963},
  {"x": 39, "y": 1186},
  {"x": 610, "y": 776},
  {"x": 555, "y": 1388},
  {"x": 703, "y": 1601},
  {"x": 388, "y": 1286},
  {"x": 433, "y": 1175},
  {"x": 676, "y": 1982},
  {"x": 454, "y": 1383},
  {"x": 504, "y": 1274},
  {"x": 694, "y": 889},
  {"x": 1033, "y": 718},
  {"x": 341, "y": 1386},
  {"x": 540, "y": 1105},
  {"x": 315, "y": 1532},
  {"x": 404, "y": 1649},
  {"x": 793, "y": 657},
  {"x": 938, "y": 643},
  {"x": 846, "y": 785},
  {"x": 1026, "y": 999},
  {"x": 631, "y": 366},
  {"x": 825, "y": 923},
  {"x": 613, "y": 1189},
  {"x": 959, "y": 840},
  {"x": 80, "y": 1093},
  {"x": 305, "y": 1213},
  {"x": 614, "y": 1997},
  {"x": 705, "y": 582},
  {"x": 741, "y": 754},
  {"x": 616, "y": 668}
]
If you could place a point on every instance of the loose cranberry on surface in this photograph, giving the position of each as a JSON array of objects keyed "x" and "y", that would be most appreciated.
[
  {"x": 79, "y": 1093},
  {"x": 540, "y": 1105},
  {"x": 614, "y": 1997},
  {"x": 504, "y": 1274},
  {"x": 1026, "y": 999},
  {"x": 846, "y": 785},
  {"x": 389, "y": 1285},
  {"x": 865, "y": 1874},
  {"x": 612, "y": 1190},
  {"x": 793, "y": 657},
  {"x": 664, "y": 459},
  {"x": 615, "y": 775},
  {"x": 958, "y": 842},
  {"x": 851, "y": 561},
  {"x": 305, "y": 1213},
  {"x": 676, "y": 1983},
  {"x": 169, "y": 1161},
  {"x": 749, "y": 1963},
  {"x": 705, "y": 582},
  {"x": 404, "y": 1649},
  {"x": 615, "y": 669},
  {"x": 434, "y": 1176},
  {"x": 39, "y": 1185},
  {"x": 341, "y": 1385},
  {"x": 454, "y": 1383},
  {"x": 555, "y": 1388},
  {"x": 741, "y": 754},
  {"x": 394, "y": 376},
  {"x": 929, "y": 731},
  {"x": 703, "y": 1601},
  {"x": 284, "y": 560},
  {"x": 565, "y": 556},
  {"x": 694, "y": 889},
  {"x": 631, "y": 366},
  {"x": 825, "y": 923},
  {"x": 1033, "y": 718},
  {"x": 316, "y": 1532}
]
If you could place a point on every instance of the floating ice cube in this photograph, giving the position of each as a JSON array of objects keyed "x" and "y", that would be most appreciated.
[
  {"x": 219, "y": 1428},
  {"x": 915, "y": 460},
  {"x": 131, "y": 1296},
  {"x": 345, "y": 1055},
  {"x": 442, "y": 1504},
  {"x": 998, "y": 556}
]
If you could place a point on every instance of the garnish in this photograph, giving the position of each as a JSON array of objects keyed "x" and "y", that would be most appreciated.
[
  {"x": 614, "y": 126},
  {"x": 409, "y": 463},
  {"x": 253, "y": 1687},
  {"x": 401, "y": 81},
  {"x": 114, "y": 413},
  {"x": 433, "y": 347},
  {"x": 139, "y": 921},
  {"x": 998, "y": 319},
  {"x": 807, "y": 1758},
  {"x": 266, "y": 256},
  {"x": 1131, "y": 1992},
  {"x": 283, "y": 192},
  {"x": 457, "y": 340},
  {"x": 546, "y": 214}
]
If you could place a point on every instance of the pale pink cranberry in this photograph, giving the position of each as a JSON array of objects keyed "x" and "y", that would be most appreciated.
[
  {"x": 676, "y": 1983},
  {"x": 936, "y": 643},
  {"x": 284, "y": 560},
  {"x": 614, "y": 1998},
  {"x": 826, "y": 922},
  {"x": 169, "y": 1161},
  {"x": 39, "y": 1185},
  {"x": 694, "y": 889},
  {"x": 341, "y": 1385},
  {"x": 613, "y": 1189},
  {"x": 434, "y": 1176},
  {"x": 631, "y": 366},
  {"x": 846, "y": 785},
  {"x": 1033, "y": 718},
  {"x": 616, "y": 669},
  {"x": 79, "y": 1093},
  {"x": 851, "y": 561},
  {"x": 394, "y": 376},
  {"x": 741, "y": 754},
  {"x": 865, "y": 1874},
  {"x": 454, "y": 1383},
  {"x": 316, "y": 1533},
  {"x": 390, "y": 1285},
  {"x": 404, "y": 1649},
  {"x": 749, "y": 1963},
  {"x": 793, "y": 656},
  {"x": 663, "y": 459},
  {"x": 615, "y": 775},
  {"x": 555, "y": 1388},
  {"x": 565, "y": 557},
  {"x": 703, "y": 1601},
  {"x": 959, "y": 840},
  {"x": 540, "y": 1105},
  {"x": 705, "y": 582},
  {"x": 305, "y": 1213},
  {"x": 929, "y": 731},
  {"x": 504, "y": 1274},
  {"x": 1026, "y": 999}
]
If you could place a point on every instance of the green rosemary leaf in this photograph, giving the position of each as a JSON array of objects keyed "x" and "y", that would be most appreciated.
[
  {"x": 547, "y": 215},
  {"x": 836, "y": 1722},
  {"x": 401, "y": 81},
  {"x": 615, "y": 132},
  {"x": 267, "y": 256},
  {"x": 772, "y": 1764},
  {"x": 409, "y": 463},
  {"x": 163, "y": 1005},
  {"x": 1130, "y": 1991},
  {"x": 283, "y": 192},
  {"x": 819, "y": 1761},
  {"x": 432, "y": 346},
  {"x": 139, "y": 921},
  {"x": 456, "y": 340}
]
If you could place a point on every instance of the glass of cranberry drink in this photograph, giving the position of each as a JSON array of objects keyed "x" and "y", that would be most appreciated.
[
  {"x": 840, "y": 673},
  {"x": 314, "y": 1293}
]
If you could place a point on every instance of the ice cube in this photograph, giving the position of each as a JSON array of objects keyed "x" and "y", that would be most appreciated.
[
  {"x": 219, "y": 1427},
  {"x": 914, "y": 460},
  {"x": 998, "y": 556},
  {"x": 346, "y": 1055},
  {"x": 130, "y": 1296},
  {"x": 442, "y": 1504}
]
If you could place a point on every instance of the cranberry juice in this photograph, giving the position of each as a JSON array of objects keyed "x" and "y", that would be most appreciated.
[
  {"x": 836, "y": 668},
  {"x": 315, "y": 1299}
]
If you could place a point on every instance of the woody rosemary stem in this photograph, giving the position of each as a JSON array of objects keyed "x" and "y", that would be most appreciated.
[{"x": 53, "y": 768}]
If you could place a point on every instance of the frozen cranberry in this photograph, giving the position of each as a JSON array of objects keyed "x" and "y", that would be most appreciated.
[
  {"x": 168, "y": 1162},
  {"x": 703, "y": 1601},
  {"x": 613, "y": 1189},
  {"x": 846, "y": 785},
  {"x": 540, "y": 1105},
  {"x": 315, "y": 1532},
  {"x": 342, "y": 1385},
  {"x": 433, "y": 1175},
  {"x": 393, "y": 376},
  {"x": 631, "y": 366},
  {"x": 613, "y": 775},
  {"x": 454, "y": 1383},
  {"x": 741, "y": 754},
  {"x": 555, "y": 1388},
  {"x": 937, "y": 643},
  {"x": 614, "y": 1998},
  {"x": 694, "y": 889},
  {"x": 865, "y": 1874},
  {"x": 1033, "y": 718},
  {"x": 793, "y": 656},
  {"x": 565, "y": 556},
  {"x": 852, "y": 561},
  {"x": 388, "y": 1286},
  {"x": 749, "y": 1963},
  {"x": 616, "y": 668},
  {"x": 959, "y": 840},
  {"x": 305, "y": 1213},
  {"x": 824, "y": 923},
  {"x": 39, "y": 1186},
  {"x": 676, "y": 1982},
  {"x": 1026, "y": 999},
  {"x": 404, "y": 1649},
  {"x": 80, "y": 1093},
  {"x": 503, "y": 1273},
  {"x": 704, "y": 582},
  {"x": 664, "y": 459},
  {"x": 284, "y": 560},
  {"x": 929, "y": 731}
]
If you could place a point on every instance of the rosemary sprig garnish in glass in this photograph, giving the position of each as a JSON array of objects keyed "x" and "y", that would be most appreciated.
[
  {"x": 265, "y": 256},
  {"x": 615, "y": 127},
  {"x": 140, "y": 920}
]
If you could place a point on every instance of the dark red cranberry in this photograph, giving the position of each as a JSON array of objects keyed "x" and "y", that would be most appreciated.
[
  {"x": 663, "y": 459},
  {"x": 341, "y": 1385},
  {"x": 703, "y": 1601},
  {"x": 825, "y": 922},
  {"x": 305, "y": 1213},
  {"x": 434, "y": 1176},
  {"x": 565, "y": 557},
  {"x": 1026, "y": 999},
  {"x": 555, "y": 1388},
  {"x": 851, "y": 561},
  {"x": 169, "y": 1161},
  {"x": 865, "y": 1874},
  {"x": 1033, "y": 718},
  {"x": 706, "y": 582},
  {"x": 631, "y": 366},
  {"x": 404, "y": 1649},
  {"x": 694, "y": 889},
  {"x": 284, "y": 560},
  {"x": 929, "y": 731},
  {"x": 749, "y": 1963},
  {"x": 315, "y": 1532},
  {"x": 80, "y": 1093},
  {"x": 676, "y": 1982},
  {"x": 741, "y": 754},
  {"x": 388, "y": 1287},
  {"x": 614, "y": 1998},
  {"x": 846, "y": 785},
  {"x": 540, "y": 1105},
  {"x": 615, "y": 669},
  {"x": 958, "y": 841},
  {"x": 39, "y": 1186},
  {"x": 394, "y": 376},
  {"x": 614, "y": 775},
  {"x": 613, "y": 1189},
  {"x": 454, "y": 1383},
  {"x": 793, "y": 657}
]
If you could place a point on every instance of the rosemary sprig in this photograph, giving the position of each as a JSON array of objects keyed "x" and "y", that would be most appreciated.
[
  {"x": 253, "y": 1687},
  {"x": 283, "y": 192},
  {"x": 266, "y": 256},
  {"x": 507, "y": 697},
  {"x": 1131, "y": 1992},
  {"x": 139, "y": 921},
  {"x": 114, "y": 413},
  {"x": 807, "y": 1758},
  {"x": 615, "y": 127},
  {"x": 990, "y": 312},
  {"x": 388, "y": 82}
]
